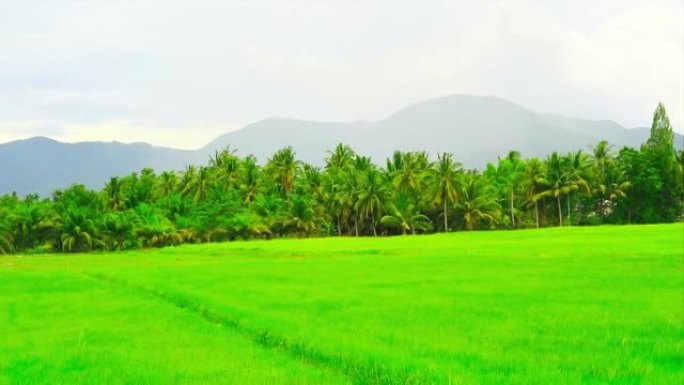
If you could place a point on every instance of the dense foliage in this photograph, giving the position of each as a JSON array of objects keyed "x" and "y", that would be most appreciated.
[{"x": 237, "y": 198}]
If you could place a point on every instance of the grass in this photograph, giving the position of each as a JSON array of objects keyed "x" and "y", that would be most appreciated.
[{"x": 556, "y": 306}]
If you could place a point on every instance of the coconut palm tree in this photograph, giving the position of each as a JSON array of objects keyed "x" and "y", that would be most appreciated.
[
  {"x": 409, "y": 176},
  {"x": 445, "y": 178},
  {"x": 283, "y": 168},
  {"x": 579, "y": 170},
  {"x": 114, "y": 194},
  {"x": 613, "y": 188},
  {"x": 166, "y": 184},
  {"x": 340, "y": 159},
  {"x": 478, "y": 202},
  {"x": 404, "y": 215},
  {"x": 532, "y": 181},
  {"x": 199, "y": 186},
  {"x": 560, "y": 180},
  {"x": 6, "y": 239},
  {"x": 227, "y": 166},
  {"x": 78, "y": 231},
  {"x": 372, "y": 197},
  {"x": 302, "y": 218},
  {"x": 118, "y": 229},
  {"x": 601, "y": 156},
  {"x": 249, "y": 179}
]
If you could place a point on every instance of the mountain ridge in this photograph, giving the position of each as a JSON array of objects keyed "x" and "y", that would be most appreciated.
[{"x": 477, "y": 129}]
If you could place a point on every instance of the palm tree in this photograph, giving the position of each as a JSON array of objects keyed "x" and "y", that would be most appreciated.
[
  {"x": 302, "y": 218},
  {"x": 532, "y": 181},
  {"x": 410, "y": 174},
  {"x": 79, "y": 232},
  {"x": 506, "y": 176},
  {"x": 119, "y": 231},
  {"x": 478, "y": 201},
  {"x": 114, "y": 194},
  {"x": 613, "y": 188},
  {"x": 186, "y": 179},
  {"x": 601, "y": 156},
  {"x": 6, "y": 239},
  {"x": 250, "y": 178},
  {"x": 446, "y": 183},
  {"x": 283, "y": 167},
  {"x": 404, "y": 215},
  {"x": 227, "y": 165},
  {"x": 340, "y": 159},
  {"x": 167, "y": 183},
  {"x": 560, "y": 180},
  {"x": 32, "y": 223},
  {"x": 578, "y": 168},
  {"x": 199, "y": 186},
  {"x": 363, "y": 163},
  {"x": 372, "y": 196}
]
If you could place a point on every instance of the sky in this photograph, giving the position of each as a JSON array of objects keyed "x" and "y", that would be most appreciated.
[{"x": 179, "y": 73}]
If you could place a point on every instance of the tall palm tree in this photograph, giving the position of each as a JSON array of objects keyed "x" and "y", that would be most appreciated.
[
  {"x": 410, "y": 174},
  {"x": 601, "y": 156},
  {"x": 478, "y": 202},
  {"x": 579, "y": 169},
  {"x": 200, "y": 185},
  {"x": 227, "y": 166},
  {"x": 167, "y": 183},
  {"x": 372, "y": 197},
  {"x": 613, "y": 188},
  {"x": 6, "y": 239},
  {"x": 114, "y": 194},
  {"x": 532, "y": 180},
  {"x": 340, "y": 159},
  {"x": 559, "y": 181},
  {"x": 445, "y": 179},
  {"x": 283, "y": 167},
  {"x": 250, "y": 178},
  {"x": 302, "y": 218}
]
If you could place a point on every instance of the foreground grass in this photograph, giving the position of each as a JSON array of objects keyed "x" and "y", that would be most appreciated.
[{"x": 562, "y": 306}]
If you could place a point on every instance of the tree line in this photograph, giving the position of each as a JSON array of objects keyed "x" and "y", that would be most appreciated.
[{"x": 235, "y": 197}]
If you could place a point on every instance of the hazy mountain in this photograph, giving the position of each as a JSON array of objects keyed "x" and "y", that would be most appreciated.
[
  {"x": 476, "y": 129},
  {"x": 42, "y": 165}
]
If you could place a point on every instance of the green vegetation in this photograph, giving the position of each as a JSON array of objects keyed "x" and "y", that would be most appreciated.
[
  {"x": 236, "y": 198},
  {"x": 593, "y": 305}
]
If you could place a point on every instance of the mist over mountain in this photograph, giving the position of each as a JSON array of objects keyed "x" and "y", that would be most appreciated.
[{"x": 476, "y": 129}]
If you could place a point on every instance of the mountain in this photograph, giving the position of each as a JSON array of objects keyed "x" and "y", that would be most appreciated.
[
  {"x": 42, "y": 165},
  {"x": 477, "y": 129}
]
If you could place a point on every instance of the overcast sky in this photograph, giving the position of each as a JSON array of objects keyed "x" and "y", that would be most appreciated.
[{"x": 179, "y": 73}]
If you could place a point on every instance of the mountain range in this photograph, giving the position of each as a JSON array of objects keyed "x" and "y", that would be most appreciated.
[{"x": 476, "y": 129}]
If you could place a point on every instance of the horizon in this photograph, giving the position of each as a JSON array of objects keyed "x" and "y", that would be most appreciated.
[{"x": 183, "y": 73}]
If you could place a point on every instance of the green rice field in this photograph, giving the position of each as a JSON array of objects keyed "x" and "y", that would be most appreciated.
[{"x": 591, "y": 305}]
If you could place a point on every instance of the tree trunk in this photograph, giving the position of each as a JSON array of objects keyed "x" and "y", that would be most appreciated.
[
  {"x": 339, "y": 226},
  {"x": 536, "y": 212},
  {"x": 512, "y": 213},
  {"x": 569, "y": 221},
  {"x": 560, "y": 212},
  {"x": 356, "y": 226},
  {"x": 446, "y": 221},
  {"x": 375, "y": 234}
]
